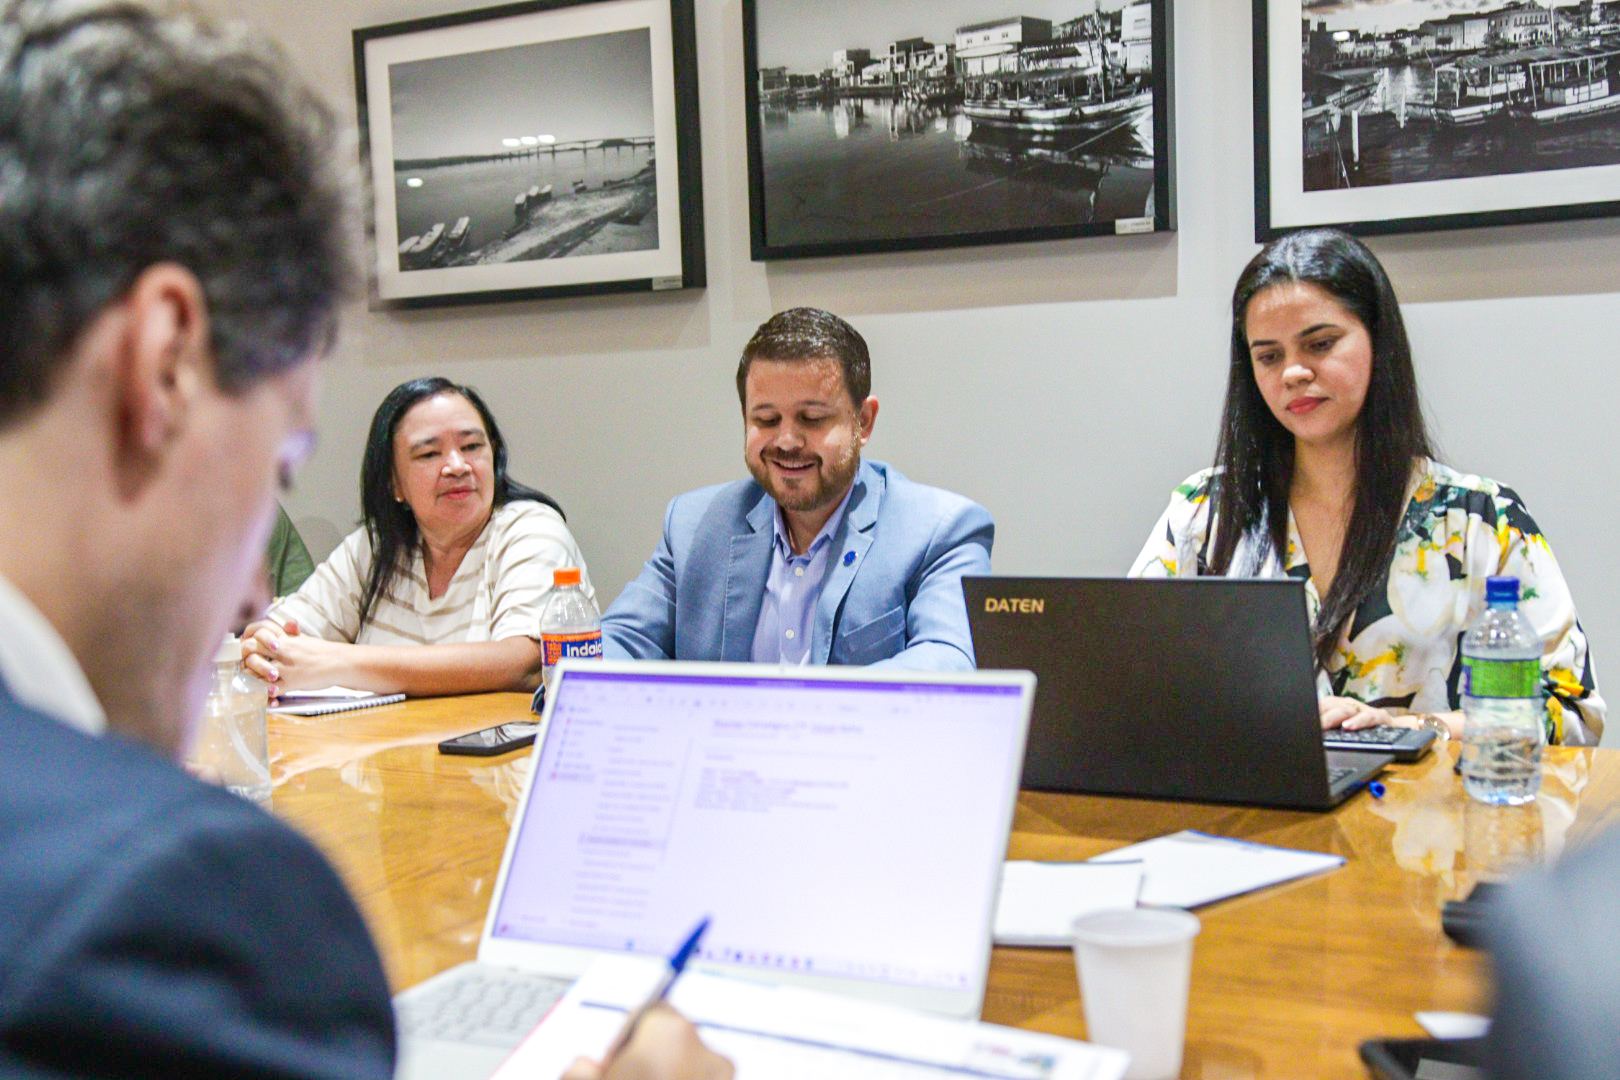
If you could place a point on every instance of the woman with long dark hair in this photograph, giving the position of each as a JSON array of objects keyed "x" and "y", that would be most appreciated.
[
  {"x": 440, "y": 590},
  {"x": 1324, "y": 471}
]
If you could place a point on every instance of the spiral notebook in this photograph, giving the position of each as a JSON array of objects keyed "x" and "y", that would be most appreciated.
[{"x": 330, "y": 699}]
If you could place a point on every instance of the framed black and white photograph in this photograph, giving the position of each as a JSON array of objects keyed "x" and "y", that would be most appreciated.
[
  {"x": 943, "y": 123},
  {"x": 532, "y": 150},
  {"x": 1382, "y": 116}
]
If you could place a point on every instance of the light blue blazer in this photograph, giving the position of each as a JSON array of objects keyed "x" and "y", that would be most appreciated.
[{"x": 892, "y": 594}]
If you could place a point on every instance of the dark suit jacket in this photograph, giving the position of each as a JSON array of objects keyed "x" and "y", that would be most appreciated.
[
  {"x": 152, "y": 925},
  {"x": 892, "y": 594}
]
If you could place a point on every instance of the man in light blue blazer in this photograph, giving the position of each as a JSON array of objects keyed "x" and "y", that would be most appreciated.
[{"x": 820, "y": 558}]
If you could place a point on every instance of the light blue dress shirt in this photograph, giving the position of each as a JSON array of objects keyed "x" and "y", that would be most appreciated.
[{"x": 787, "y": 613}]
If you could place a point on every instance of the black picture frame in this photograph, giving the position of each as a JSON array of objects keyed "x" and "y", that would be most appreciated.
[
  {"x": 553, "y": 237},
  {"x": 1000, "y": 147},
  {"x": 1425, "y": 150}
]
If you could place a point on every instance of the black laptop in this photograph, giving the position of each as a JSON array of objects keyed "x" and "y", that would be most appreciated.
[{"x": 1200, "y": 688}]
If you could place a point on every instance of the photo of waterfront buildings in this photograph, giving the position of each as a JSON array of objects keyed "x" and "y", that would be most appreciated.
[
  {"x": 1404, "y": 91},
  {"x": 529, "y": 152},
  {"x": 904, "y": 121}
]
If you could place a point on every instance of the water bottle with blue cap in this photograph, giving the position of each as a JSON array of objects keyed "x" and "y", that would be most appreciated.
[{"x": 1502, "y": 700}]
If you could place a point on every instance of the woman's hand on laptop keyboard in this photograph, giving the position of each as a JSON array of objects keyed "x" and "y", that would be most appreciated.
[
  {"x": 1353, "y": 715},
  {"x": 665, "y": 1047}
]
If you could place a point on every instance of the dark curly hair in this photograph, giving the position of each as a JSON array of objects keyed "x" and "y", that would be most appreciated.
[
  {"x": 132, "y": 135},
  {"x": 809, "y": 334}
]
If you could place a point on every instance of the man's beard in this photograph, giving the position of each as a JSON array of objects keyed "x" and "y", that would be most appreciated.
[{"x": 817, "y": 489}]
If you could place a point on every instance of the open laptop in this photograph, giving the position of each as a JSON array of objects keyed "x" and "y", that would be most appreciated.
[
  {"x": 1200, "y": 688},
  {"x": 844, "y": 829}
]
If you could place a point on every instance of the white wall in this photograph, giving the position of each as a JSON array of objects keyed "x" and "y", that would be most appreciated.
[{"x": 1067, "y": 386}]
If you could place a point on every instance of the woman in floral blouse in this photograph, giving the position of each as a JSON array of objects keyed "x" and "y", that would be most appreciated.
[{"x": 1324, "y": 472}]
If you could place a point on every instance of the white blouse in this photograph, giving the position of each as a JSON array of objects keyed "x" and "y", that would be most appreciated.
[{"x": 498, "y": 592}]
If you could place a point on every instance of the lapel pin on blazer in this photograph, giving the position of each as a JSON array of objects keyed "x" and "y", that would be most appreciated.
[{"x": 849, "y": 558}]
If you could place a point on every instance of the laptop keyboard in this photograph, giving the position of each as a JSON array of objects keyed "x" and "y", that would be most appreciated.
[
  {"x": 491, "y": 1008},
  {"x": 1375, "y": 736}
]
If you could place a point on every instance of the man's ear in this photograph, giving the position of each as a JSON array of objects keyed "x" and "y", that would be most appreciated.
[
  {"x": 868, "y": 417},
  {"x": 163, "y": 363}
]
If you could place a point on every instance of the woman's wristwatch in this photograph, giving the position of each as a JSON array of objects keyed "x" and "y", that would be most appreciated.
[{"x": 1431, "y": 722}]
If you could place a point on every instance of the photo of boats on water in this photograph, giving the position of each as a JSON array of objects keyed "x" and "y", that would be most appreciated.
[
  {"x": 901, "y": 124},
  {"x": 1407, "y": 91},
  {"x": 540, "y": 151}
]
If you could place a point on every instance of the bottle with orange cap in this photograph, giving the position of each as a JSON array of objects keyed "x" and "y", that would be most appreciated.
[{"x": 570, "y": 625}]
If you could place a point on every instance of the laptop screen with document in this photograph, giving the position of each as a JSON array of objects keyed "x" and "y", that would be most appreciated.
[{"x": 839, "y": 824}]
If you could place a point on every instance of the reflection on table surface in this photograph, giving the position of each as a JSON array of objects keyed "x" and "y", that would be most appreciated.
[
  {"x": 1286, "y": 982},
  {"x": 417, "y": 835}
]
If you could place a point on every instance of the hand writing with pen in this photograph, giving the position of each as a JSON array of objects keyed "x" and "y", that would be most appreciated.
[
  {"x": 656, "y": 1042},
  {"x": 664, "y": 1046}
]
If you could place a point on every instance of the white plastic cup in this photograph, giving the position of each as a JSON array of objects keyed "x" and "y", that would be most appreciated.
[{"x": 1135, "y": 966}]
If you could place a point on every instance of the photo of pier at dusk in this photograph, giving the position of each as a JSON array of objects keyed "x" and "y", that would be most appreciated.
[
  {"x": 539, "y": 151},
  {"x": 897, "y": 121},
  {"x": 1403, "y": 91}
]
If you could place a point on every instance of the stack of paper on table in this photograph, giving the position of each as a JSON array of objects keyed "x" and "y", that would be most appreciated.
[
  {"x": 330, "y": 699},
  {"x": 1190, "y": 868},
  {"x": 785, "y": 1033},
  {"x": 1040, "y": 901}
]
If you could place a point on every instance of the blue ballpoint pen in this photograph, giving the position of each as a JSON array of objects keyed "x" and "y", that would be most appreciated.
[{"x": 677, "y": 963}]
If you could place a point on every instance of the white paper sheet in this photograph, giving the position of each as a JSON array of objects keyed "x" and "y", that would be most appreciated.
[
  {"x": 1453, "y": 1025},
  {"x": 1039, "y": 901},
  {"x": 785, "y": 1033},
  {"x": 1190, "y": 868},
  {"x": 325, "y": 692}
]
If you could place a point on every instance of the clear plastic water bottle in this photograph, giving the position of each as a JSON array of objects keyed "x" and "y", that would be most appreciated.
[
  {"x": 570, "y": 624},
  {"x": 1502, "y": 700},
  {"x": 232, "y": 746}
]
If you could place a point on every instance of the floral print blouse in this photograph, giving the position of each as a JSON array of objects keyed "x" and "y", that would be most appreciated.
[{"x": 1400, "y": 651}]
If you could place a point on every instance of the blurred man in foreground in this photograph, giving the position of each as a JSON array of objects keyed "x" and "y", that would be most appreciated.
[{"x": 176, "y": 252}]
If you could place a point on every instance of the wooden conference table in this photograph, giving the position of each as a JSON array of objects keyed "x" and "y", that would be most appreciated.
[{"x": 1286, "y": 982}]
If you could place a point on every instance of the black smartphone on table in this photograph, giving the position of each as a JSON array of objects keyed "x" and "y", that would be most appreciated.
[{"x": 492, "y": 740}]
